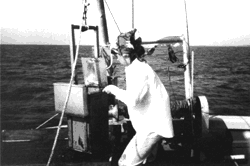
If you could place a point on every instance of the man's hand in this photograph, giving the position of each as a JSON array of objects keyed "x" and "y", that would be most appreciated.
[{"x": 110, "y": 89}]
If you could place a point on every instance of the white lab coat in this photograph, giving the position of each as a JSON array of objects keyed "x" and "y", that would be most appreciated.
[{"x": 147, "y": 100}]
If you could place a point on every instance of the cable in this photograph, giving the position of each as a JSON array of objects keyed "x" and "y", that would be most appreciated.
[
  {"x": 112, "y": 16},
  {"x": 67, "y": 98}
]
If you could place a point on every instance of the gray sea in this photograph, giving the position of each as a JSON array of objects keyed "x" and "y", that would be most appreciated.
[{"x": 28, "y": 72}]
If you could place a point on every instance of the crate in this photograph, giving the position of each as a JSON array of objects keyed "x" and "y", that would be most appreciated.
[{"x": 77, "y": 104}]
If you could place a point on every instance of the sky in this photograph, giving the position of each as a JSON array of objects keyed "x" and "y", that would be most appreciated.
[{"x": 210, "y": 22}]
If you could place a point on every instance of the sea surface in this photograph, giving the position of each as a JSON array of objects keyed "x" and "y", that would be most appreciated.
[{"x": 28, "y": 72}]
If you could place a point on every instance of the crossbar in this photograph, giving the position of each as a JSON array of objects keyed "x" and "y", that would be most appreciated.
[
  {"x": 166, "y": 40},
  {"x": 84, "y": 28}
]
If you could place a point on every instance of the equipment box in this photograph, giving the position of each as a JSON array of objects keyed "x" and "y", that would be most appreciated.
[
  {"x": 87, "y": 116},
  {"x": 77, "y": 104},
  {"x": 90, "y": 134}
]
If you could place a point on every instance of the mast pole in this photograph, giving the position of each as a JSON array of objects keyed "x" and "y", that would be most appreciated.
[
  {"x": 187, "y": 61},
  {"x": 187, "y": 72},
  {"x": 103, "y": 30},
  {"x": 188, "y": 84}
]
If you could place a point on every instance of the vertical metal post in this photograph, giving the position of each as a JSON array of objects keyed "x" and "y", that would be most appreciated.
[
  {"x": 73, "y": 51},
  {"x": 104, "y": 40},
  {"x": 187, "y": 72},
  {"x": 187, "y": 82},
  {"x": 192, "y": 74},
  {"x": 97, "y": 46},
  {"x": 187, "y": 60}
]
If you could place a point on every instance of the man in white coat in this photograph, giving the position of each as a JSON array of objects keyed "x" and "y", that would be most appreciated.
[{"x": 148, "y": 105}]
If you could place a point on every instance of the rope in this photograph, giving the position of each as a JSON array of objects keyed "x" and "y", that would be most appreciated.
[
  {"x": 46, "y": 121},
  {"x": 112, "y": 16},
  {"x": 67, "y": 98}
]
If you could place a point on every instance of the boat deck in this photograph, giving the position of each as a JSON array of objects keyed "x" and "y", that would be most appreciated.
[
  {"x": 33, "y": 147},
  {"x": 37, "y": 153},
  {"x": 36, "y": 150}
]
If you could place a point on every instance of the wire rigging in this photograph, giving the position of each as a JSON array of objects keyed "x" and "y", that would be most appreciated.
[{"x": 113, "y": 16}]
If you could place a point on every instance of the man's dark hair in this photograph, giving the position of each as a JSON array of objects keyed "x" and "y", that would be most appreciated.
[{"x": 137, "y": 52}]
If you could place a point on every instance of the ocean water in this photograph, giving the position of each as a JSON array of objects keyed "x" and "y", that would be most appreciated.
[{"x": 28, "y": 72}]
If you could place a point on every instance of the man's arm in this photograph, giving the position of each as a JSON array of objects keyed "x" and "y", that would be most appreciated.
[{"x": 133, "y": 95}]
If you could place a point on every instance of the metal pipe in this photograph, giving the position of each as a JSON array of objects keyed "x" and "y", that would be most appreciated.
[
  {"x": 187, "y": 59},
  {"x": 84, "y": 27},
  {"x": 187, "y": 73},
  {"x": 167, "y": 40},
  {"x": 97, "y": 47},
  {"x": 104, "y": 39},
  {"x": 192, "y": 74},
  {"x": 73, "y": 51}
]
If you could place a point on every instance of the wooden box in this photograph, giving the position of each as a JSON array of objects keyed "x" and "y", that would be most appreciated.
[{"x": 77, "y": 104}]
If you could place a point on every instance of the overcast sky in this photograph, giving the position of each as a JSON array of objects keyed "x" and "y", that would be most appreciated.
[{"x": 211, "y": 22}]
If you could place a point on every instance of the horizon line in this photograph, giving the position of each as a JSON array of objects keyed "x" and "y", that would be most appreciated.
[{"x": 243, "y": 45}]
